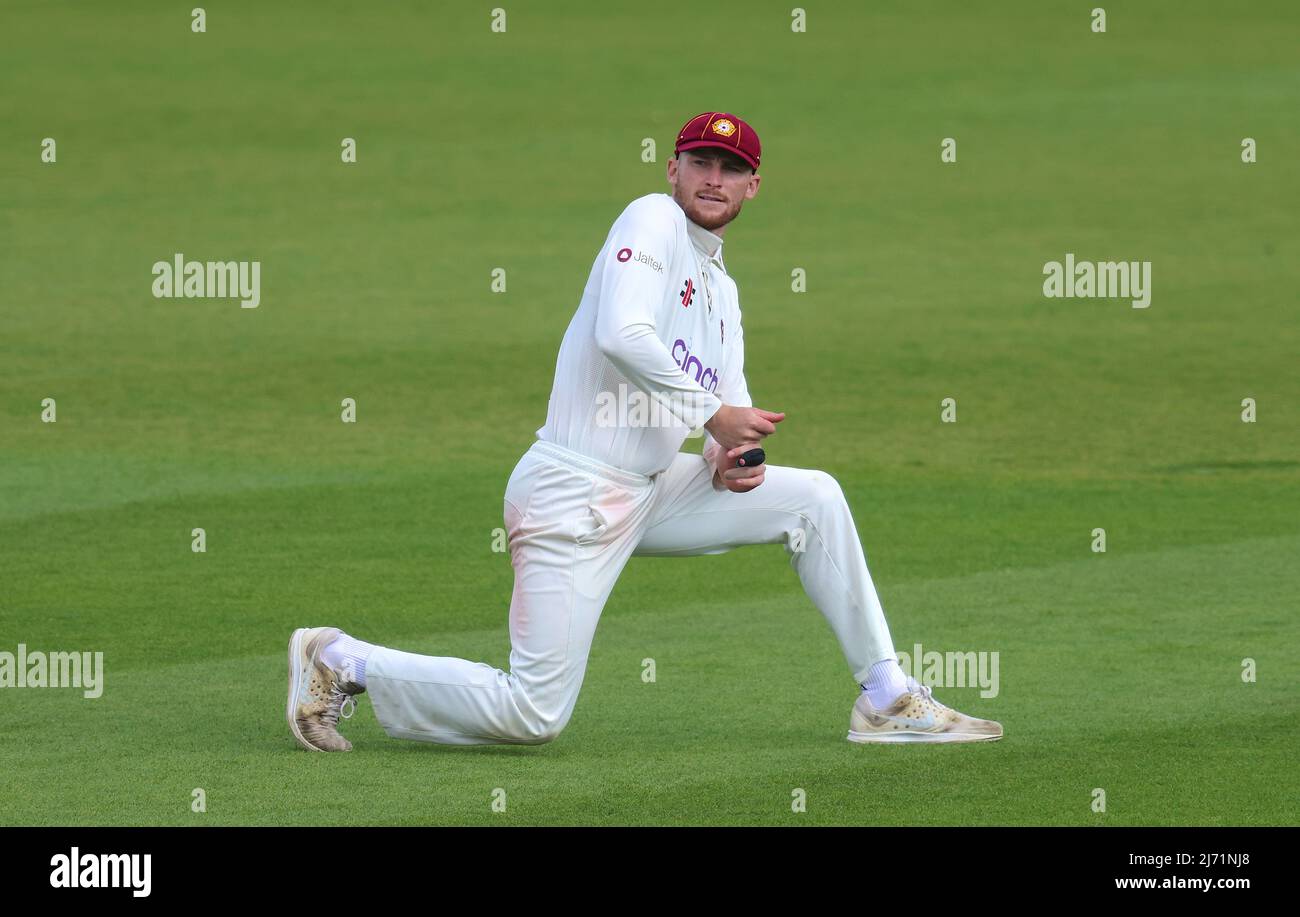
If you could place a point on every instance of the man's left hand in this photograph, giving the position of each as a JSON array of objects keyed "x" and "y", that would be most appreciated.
[{"x": 736, "y": 478}]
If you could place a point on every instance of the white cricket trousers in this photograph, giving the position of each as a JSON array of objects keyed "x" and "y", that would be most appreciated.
[{"x": 572, "y": 523}]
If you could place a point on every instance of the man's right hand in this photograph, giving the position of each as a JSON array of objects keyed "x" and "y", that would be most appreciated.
[{"x": 734, "y": 426}]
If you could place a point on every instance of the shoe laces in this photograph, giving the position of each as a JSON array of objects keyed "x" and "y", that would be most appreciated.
[
  {"x": 339, "y": 698},
  {"x": 922, "y": 691},
  {"x": 337, "y": 705}
]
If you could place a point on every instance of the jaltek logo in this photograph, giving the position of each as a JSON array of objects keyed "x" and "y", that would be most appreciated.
[
  {"x": 708, "y": 378},
  {"x": 625, "y": 254}
]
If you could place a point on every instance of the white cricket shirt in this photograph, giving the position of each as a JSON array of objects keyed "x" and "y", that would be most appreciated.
[{"x": 655, "y": 347}]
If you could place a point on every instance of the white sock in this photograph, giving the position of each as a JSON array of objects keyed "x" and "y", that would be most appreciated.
[
  {"x": 884, "y": 683},
  {"x": 347, "y": 654}
]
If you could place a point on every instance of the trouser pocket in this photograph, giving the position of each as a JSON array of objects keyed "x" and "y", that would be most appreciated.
[
  {"x": 549, "y": 499},
  {"x": 610, "y": 512}
]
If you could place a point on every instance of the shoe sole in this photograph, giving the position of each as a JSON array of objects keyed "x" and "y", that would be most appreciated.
[
  {"x": 906, "y": 738},
  {"x": 295, "y": 685}
]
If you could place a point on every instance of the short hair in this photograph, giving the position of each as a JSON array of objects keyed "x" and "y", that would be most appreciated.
[{"x": 719, "y": 152}]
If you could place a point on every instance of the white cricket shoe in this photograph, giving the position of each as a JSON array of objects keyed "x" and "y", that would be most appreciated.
[
  {"x": 916, "y": 717},
  {"x": 317, "y": 693}
]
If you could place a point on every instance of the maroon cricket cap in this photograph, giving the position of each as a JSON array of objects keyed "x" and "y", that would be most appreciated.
[{"x": 720, "y": 129}]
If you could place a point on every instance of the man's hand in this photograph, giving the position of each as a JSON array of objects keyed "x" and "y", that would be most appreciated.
[
  {"x": 735, "y": 426},
  {"x": 736, "y": 478}
]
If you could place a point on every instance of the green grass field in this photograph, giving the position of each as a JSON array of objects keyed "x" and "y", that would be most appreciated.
[{"x": 1119, "y": 671}]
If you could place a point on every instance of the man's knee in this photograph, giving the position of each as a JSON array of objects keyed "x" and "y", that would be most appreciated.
[
  {"x": 540, "y": 734},
  {"x": 823, "y": 489},
  {"x": 820, "y": 495},
  {"x": 542, "y": 727}
]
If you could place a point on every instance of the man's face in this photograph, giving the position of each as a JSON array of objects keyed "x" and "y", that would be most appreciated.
[{"x": 710, "y": 184}]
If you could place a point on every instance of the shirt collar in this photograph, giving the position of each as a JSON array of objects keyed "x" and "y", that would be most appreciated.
[{"x": 706, "y": 243}]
